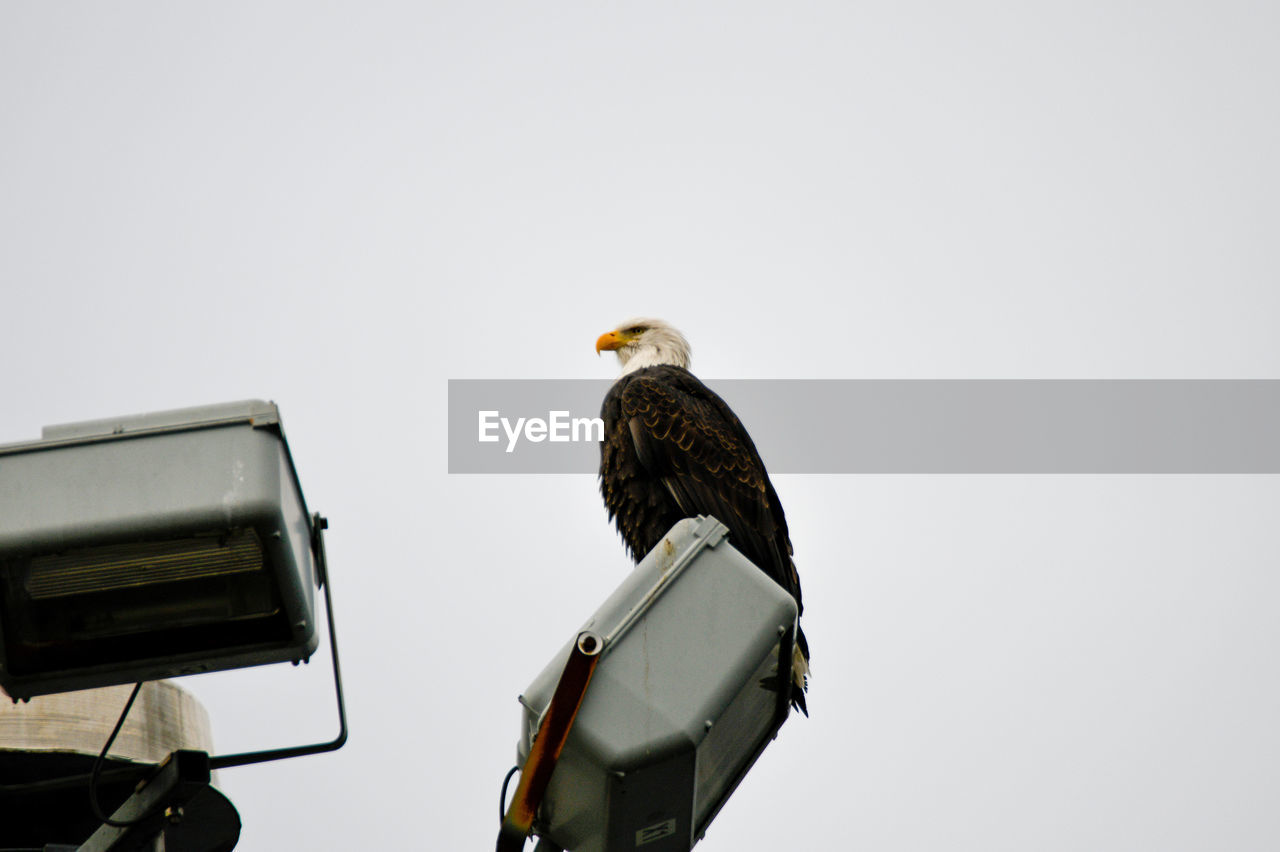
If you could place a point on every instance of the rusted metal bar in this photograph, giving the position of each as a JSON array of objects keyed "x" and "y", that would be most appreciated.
[{"x": 553, "y": 730}]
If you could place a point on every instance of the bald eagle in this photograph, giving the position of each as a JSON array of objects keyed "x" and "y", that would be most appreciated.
[{"x": 673, "y": 449}]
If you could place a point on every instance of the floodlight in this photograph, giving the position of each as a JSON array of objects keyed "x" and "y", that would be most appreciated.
[
  {"x": 670, "y": 692},
  {"x": 153, "y": 546}
]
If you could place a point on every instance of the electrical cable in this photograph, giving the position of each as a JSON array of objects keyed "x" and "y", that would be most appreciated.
[
  {"x": 97, "y": 769},
  {"x": 502, "y": 799}
]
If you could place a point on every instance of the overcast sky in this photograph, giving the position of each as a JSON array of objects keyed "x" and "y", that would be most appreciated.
[{"x": 340, "y": 206}]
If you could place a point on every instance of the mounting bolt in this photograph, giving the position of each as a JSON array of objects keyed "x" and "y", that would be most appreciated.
[{"x": 173, "y": 814}]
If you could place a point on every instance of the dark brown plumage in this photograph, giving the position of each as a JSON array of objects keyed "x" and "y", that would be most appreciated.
[{"x": 673, "y": 449}]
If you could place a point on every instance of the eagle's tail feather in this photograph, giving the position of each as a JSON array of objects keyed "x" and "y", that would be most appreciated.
[{"x": 799, "y": 678}]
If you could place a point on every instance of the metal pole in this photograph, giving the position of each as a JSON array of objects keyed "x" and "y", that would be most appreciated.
[{"x": 549, "y": 742}]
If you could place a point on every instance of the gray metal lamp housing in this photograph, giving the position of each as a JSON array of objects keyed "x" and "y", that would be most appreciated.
[
  {"x": 692, "y": 684},
  {"x": 152, "y": 546}
]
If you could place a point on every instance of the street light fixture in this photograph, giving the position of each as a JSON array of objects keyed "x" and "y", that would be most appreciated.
[
  {"x": 152, "y": 546},
  {"x": 639, "y": 730},
  {"x": 148, "y": 547}
]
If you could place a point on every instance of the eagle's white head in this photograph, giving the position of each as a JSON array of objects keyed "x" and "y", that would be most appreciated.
[{"x": 646, "y": 343}]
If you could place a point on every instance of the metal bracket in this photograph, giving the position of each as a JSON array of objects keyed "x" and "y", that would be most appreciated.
[
  {"x": 179, "y": 779},
  {"x": 318, "y": 525}
]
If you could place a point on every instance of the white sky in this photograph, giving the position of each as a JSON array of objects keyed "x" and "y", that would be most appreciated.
[{"x": 339, "y": 206}]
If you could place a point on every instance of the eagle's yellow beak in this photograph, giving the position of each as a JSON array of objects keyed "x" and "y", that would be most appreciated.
[{"x": 610, "y": 340}]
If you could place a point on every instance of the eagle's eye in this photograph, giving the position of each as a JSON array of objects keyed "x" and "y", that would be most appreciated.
[{"x": 636, "y": 329}]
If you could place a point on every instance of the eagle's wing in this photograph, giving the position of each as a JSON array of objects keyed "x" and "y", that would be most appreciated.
[{"x": 688, "y": 438}]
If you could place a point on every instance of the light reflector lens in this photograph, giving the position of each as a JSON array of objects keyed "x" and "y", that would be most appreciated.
[
  {"x": 107, "y": 604},
  {"x": 120, "y": 566}
]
